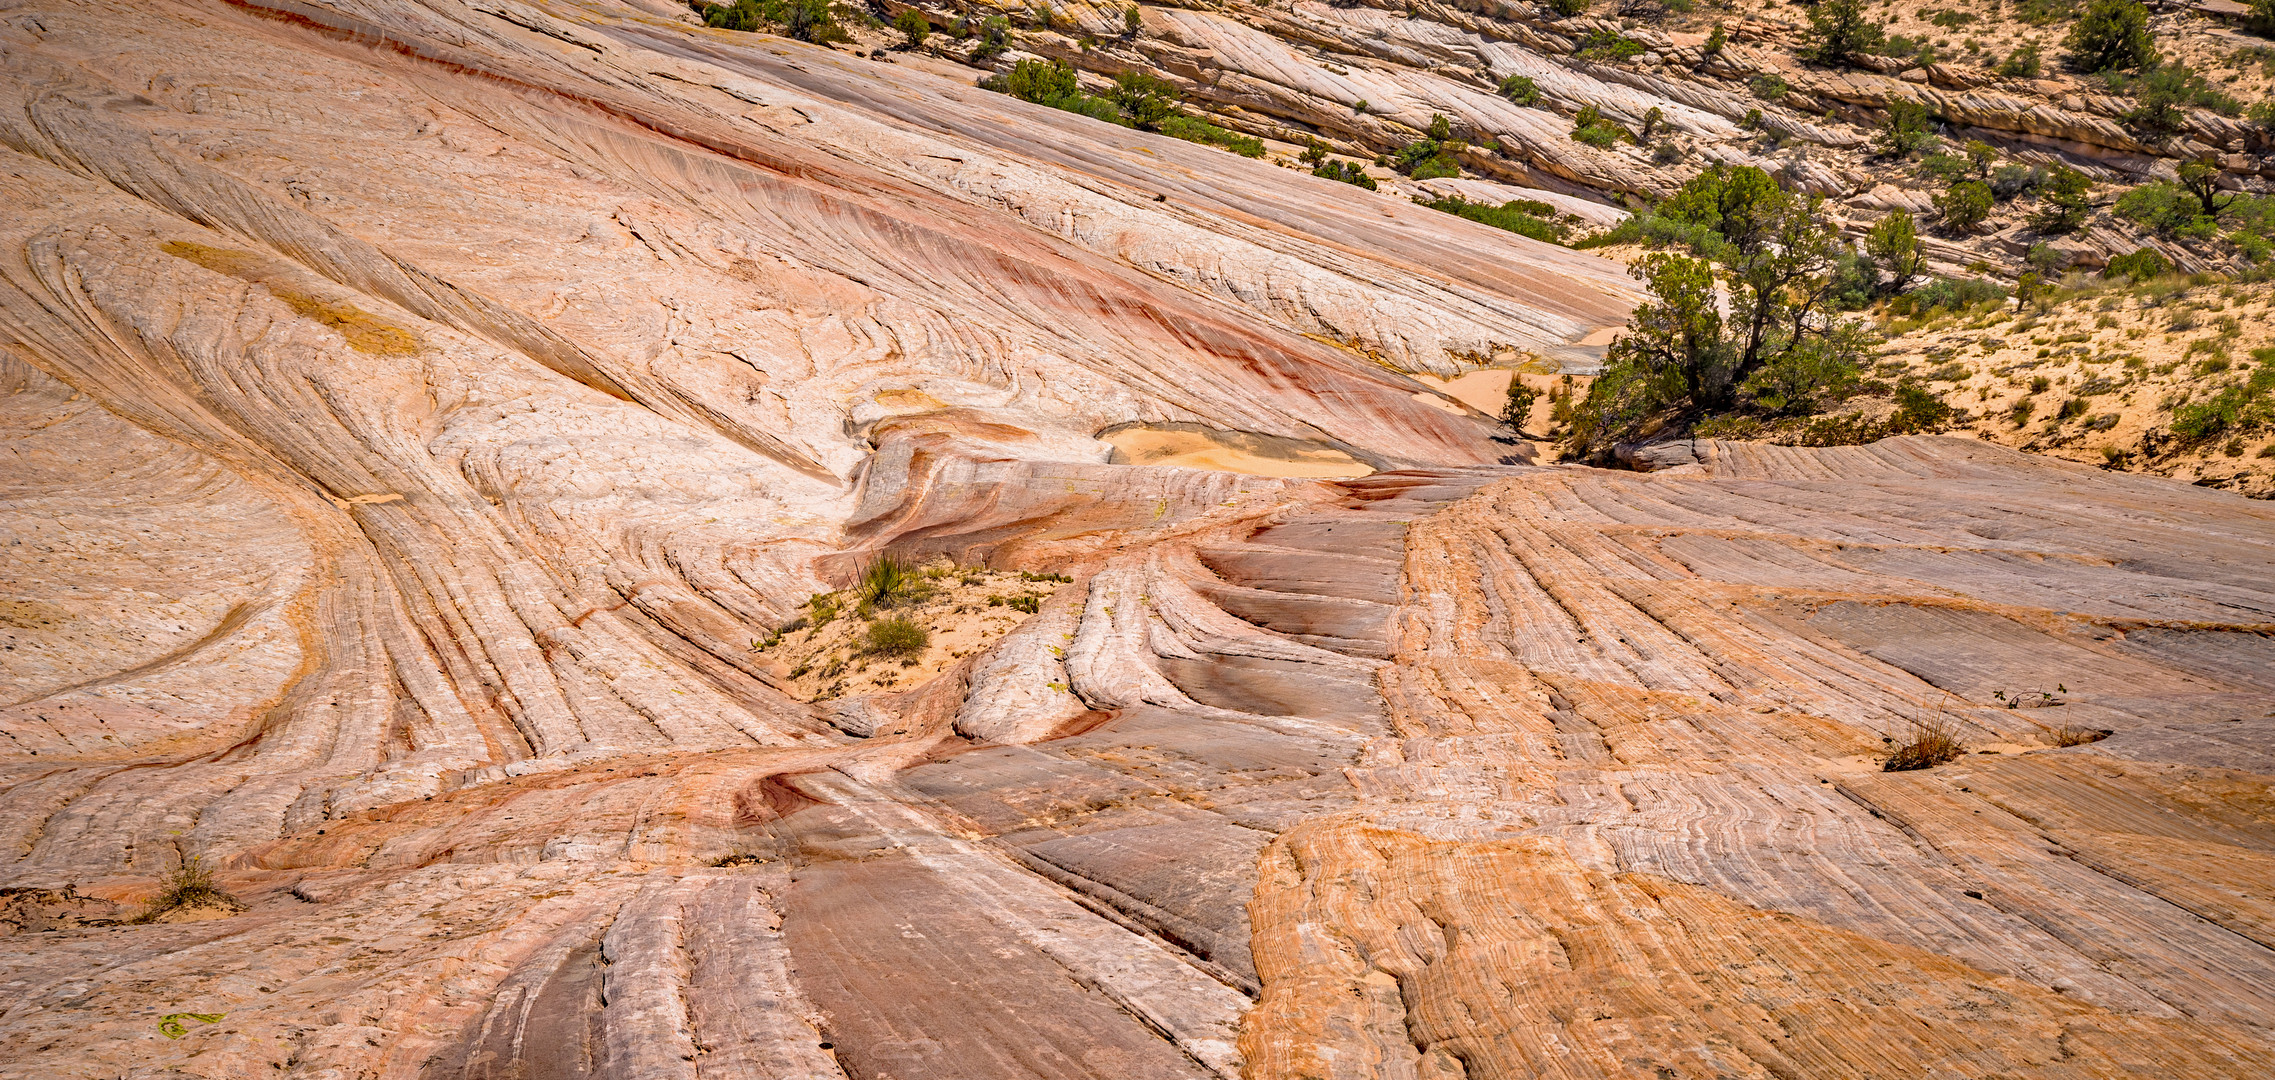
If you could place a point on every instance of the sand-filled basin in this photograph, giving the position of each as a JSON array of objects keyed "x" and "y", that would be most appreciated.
[{"x": 1192, "y": 446}]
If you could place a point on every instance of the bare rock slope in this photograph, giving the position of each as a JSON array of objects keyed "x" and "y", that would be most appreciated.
[{"x": 417, "y": 414}]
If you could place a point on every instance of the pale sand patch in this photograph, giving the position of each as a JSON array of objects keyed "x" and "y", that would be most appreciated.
[
  {"x": 1231, "y": 451},
  {"x": 964, "y": 609},
  {"x": 1605, "y": 336},
  {"x": 1483, "y": 390}
]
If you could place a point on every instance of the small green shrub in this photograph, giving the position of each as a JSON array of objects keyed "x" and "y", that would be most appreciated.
[
  {"x": 897, "y": 637},
  {"x": 805, "y": 20},
  {"x": 2139, "y": 266},
  {"x": 2113, "y": 35},
  {"x": 1965, "y": 205},
  {"x": 1770, "y": 88},
  {"x": 2163, "y": 95},
  {"x": 1592, "y": 128},
  {"x": 1908, "y": 130},
  {"x": 1525, "y": 217},
  {"x": 2243, "y": 406},
  {"x": 1348, "y": 172},
  {"x": 2022, "y": 63},
  {"x": 1604, "y": 45},
  {"x": 1521, "y": 90},
  {"x": 1518, "y": 405},
  {"x": 1839, "y": 32},
  {"x": 914, "y": 26},
  {"x": 2063, "y": 200}
]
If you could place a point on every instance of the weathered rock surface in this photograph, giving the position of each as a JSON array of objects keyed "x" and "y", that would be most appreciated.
[{"x": 415, "y": 411}]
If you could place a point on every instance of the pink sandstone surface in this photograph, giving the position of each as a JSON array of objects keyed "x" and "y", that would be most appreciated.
[{"x": 416, "y": 412}]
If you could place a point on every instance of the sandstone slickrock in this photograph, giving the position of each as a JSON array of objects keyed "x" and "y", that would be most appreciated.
[{"x": 416, "y": 411}]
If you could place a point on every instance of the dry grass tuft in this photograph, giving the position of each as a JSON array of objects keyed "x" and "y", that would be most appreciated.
[
  {"x": 1932, "y": 743},
  {"x": 190, "y": 885},
  {"x": 2073, "y": 735}
]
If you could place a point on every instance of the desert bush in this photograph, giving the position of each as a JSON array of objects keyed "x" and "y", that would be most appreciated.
[
  {"x": 1348, "y": 172},
  {"x": 897, "y": 637},
  {"x": 2113, "y": 35},
  {"x": 1839, "y": 32},
  {"x": 1432, "y": 156},
  {"x": 1609, "y": 45},
  {"x": 914, "y": 26},
  {"x": 889, "y": 582},
  {"x": 189, "y": 885},
  {"x": 2063, "y": 200},
  {"x": 1964, "y": 206},
  {"x": 1521, "y": 90},
  {"x": 2023, "y": 62},
  {"x": 1138, "y": 100},
  {"x": 2141, "y": 265},
  {"x": 2163, "y": 94},
  {"x": 1908, "y": 130},
  {"x": 1525, "y": 217},
  {"x": 2166, "y": 209},
  {"x": 1518, "y": 405},
  {"x": 1778, "y": 352},
  {"x": 2010, "y": 181},
  {"x": 1592, "y": 128},
  {"x": 1893, "y": 243},
  {"x": 2237, "y": 407}
]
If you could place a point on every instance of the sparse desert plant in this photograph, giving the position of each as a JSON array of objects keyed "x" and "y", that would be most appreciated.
[
  {"x": 1522, "y": 90},
  {"x": 190, "y": 885},
  {"x": 2142, "y": 265},
  {"x": 2074, "y": 735},
  {"x": 1348, "y": 172},
  {"x": 914, "y": 26},
  {"x": 1909, "y": 130},
  {"x": 1518, "y": 404},
  {"x": 889, "y": 582},
  {"x": 1931, "y": 743},
  {"x": 1965, "y": 205},
  {"x": 2113, "y": 35},
  {"x": 1839, "y": 32},
  {"x": 1591, "y": 127},
  {"x": 897, "y": 637}
]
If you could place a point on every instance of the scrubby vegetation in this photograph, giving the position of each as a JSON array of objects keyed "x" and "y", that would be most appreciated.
[
  {"x": 1783, "y": 353},
  {"x": 1348, "y": 172},
  {"x": 805, "y": 20},
  {"x": 898, "y": 638},
  {"x": 190, "y": 885},
  {"x": 1590, "y": 126},
  {"x": 1138, "y": 100},
  {"x": 1525, "y": 217},
  {"x": 1430, "y": 157},
  {"x": 896, "y": 622}
]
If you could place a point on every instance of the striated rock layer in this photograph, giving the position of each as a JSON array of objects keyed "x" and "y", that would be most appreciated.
[{"x": 415, "y": 414}]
